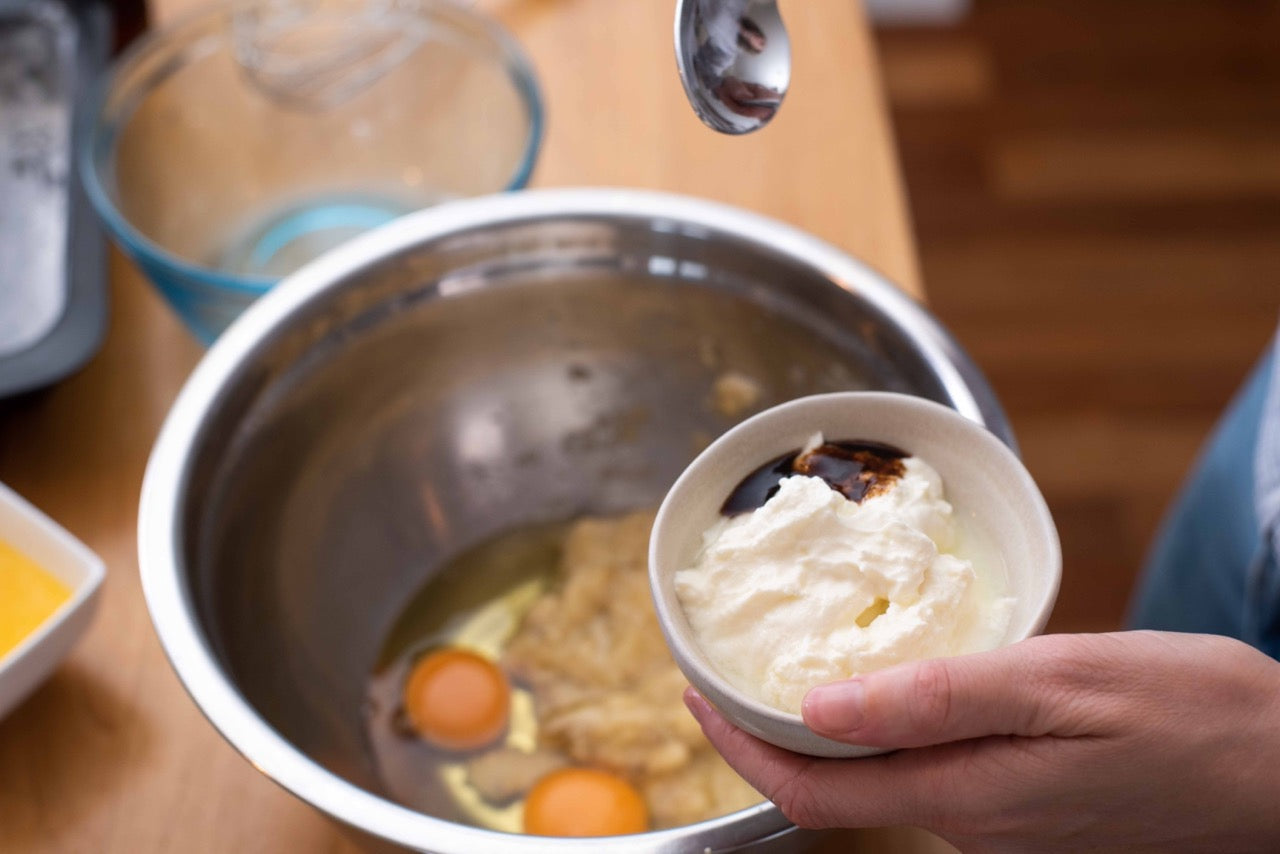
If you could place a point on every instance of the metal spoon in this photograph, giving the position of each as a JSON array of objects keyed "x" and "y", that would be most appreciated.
[{"x": 734, "y": 58}]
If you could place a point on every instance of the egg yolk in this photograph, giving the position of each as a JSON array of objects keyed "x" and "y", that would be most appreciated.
[
  {"x": 584, "y": 802},
  {"x": 457, "y": 700},
  {"x": 28, "y": 596}
]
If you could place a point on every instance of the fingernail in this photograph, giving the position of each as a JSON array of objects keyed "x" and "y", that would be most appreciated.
[
  {"x": 836, "y": 708},
  {"x": 697, "y": 704}
]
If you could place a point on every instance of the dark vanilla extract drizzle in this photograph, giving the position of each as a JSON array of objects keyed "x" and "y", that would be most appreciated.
[{"x": 856, "y": 470}]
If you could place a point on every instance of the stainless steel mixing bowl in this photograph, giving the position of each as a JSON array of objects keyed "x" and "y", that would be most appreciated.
[{"x": 485, "y": 364}]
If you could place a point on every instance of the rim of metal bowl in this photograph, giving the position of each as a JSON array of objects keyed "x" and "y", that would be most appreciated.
[
  {"x": 92, "y": 137},
  {"x": 164, "y": 485}
]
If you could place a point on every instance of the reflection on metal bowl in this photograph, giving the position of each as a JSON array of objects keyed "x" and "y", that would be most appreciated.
[{"x": 488, "y": 364}]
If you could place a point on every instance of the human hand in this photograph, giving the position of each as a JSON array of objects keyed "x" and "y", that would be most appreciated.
[{"x": 1118, "y": 742}]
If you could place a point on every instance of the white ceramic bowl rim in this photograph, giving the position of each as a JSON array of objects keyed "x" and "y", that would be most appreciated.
[{"x": 677, "y": 627}]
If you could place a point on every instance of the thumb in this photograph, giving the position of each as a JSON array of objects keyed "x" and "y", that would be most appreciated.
[{"x": 1016, "y": 690}]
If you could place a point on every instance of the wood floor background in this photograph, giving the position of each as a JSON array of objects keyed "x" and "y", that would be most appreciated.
[{"x": 1096, "y": 193}]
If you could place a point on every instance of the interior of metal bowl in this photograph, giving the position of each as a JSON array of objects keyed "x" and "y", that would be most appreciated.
[{"x": 493, "y": 377}]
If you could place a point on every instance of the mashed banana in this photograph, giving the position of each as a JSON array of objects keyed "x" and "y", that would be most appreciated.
[{"x": 605, "y": 687}]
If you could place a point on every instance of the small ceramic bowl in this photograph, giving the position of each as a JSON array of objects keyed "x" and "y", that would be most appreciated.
[
  {"x": 983, "y": 479},
  {"x": 57, "y": 552}
]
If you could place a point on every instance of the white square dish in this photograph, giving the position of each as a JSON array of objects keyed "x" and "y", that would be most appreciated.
[{"x": 71, "y": 562}]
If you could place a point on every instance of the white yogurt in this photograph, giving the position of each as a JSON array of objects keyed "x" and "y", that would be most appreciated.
[{"x": 813, "y": 587}]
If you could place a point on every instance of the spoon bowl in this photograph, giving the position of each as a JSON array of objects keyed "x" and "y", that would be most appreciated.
[{"x": 734, "y": 58}]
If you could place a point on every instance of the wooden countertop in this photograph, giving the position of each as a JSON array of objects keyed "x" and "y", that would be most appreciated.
[{"x": 111, "y": 755}]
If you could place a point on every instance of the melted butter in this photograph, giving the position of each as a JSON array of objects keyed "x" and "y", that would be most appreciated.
[
  {"x": 28, "y": 596},
  {"x": 488, "y": 631},
  {"x": 524, "y": 735}
]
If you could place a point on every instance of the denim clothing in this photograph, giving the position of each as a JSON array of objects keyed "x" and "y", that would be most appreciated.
[{"x": 1214, "y": 567}]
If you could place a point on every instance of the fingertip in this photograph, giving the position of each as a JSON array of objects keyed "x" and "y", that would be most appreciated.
[
  {"x": 697, "y": 705},
  {"x": 719, "y": 730},
  {"x": 837, "y": 709}
]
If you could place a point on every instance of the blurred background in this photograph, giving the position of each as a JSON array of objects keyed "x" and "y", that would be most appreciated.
[{"x": 1095, "y": 189}]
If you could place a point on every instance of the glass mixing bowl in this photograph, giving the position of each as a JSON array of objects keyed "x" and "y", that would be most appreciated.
[{"x": 235, "y": 145}]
